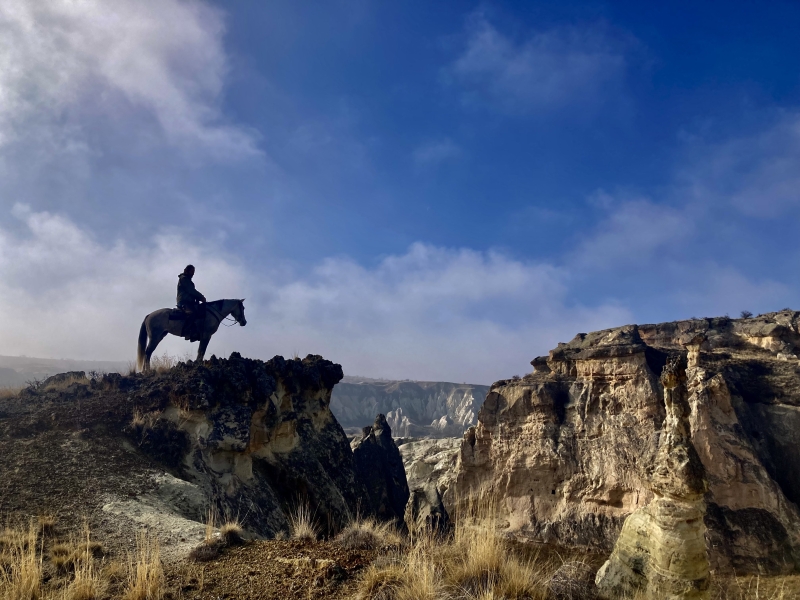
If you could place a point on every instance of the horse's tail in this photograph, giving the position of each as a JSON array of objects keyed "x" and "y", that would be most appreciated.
[{"x": 140, "y": 347}]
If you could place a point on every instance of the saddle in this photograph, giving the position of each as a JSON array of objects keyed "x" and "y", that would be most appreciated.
[{"x": 192, "y": 322}]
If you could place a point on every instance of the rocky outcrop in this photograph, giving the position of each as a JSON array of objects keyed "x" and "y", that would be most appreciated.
[
  {"x": 563, "y": 448},
  {"x": 257, "y": 437},
  {"x": 412, "y": 408},
  {"x": 425, "y": 512},
  {"x": 379, "y": 467},
  {"x": 662, "y": 548}
]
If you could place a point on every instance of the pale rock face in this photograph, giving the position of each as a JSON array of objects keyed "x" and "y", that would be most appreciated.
[
  {"x": 412, "y": 408},
  {"x": 430, "y": 461},
  {"x": 564, "y": 449},
  {"x": 662, "y": 548}
]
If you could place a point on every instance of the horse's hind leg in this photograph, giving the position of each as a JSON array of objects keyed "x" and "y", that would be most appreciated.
[{"x": 151, "y": 347}]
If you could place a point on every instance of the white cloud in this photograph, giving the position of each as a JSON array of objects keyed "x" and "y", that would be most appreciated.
[
  {"x": 431, "y": 313},
  {"x": 757, "y": 173},
  {"x": 152, "y": 68},
  {"x": 435, "y": 152},
  {"x": 548, "y": 70},
  {"x": 632, "y": 234}
]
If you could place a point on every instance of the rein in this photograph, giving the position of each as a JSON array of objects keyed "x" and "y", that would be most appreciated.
[{"x": 219, "y": 316}]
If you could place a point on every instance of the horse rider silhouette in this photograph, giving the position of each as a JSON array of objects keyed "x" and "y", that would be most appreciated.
[{"x": 190, "y": 300}]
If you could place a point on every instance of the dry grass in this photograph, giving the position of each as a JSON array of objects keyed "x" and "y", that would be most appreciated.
[
  {"x": 369, "y": 534},
  {"x": 229, "y": 534},
  {"x": 6, "y": 393},
  {"x": 164, "y": 362},
  {"x": 144, "y": 420},
  {"x": 146, "y": 573},
  {"x": 754, "y": 587},
  {"x": 21, "y": 579},
  {"x": 87, "y": 582},
  {"x": 46, "y": 525},
  {"x": 302, "y": 523},
  {"x": 474, "y": 563},
  {"x": 63, "y": 384},
  {"x": 232, "y": 533}
]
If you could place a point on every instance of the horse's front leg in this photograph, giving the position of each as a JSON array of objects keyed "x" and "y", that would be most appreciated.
[{"x": 201, "y": 350}]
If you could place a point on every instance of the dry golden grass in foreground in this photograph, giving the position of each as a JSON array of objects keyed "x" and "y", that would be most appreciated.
[
  {"x": 36, "y": 566},
  {"x": 474, "y": 563},
  {"x": 145, "y": 573},
  {"x": 753, "y": 587}
]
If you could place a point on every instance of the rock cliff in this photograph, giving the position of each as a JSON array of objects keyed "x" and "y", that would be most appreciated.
[
  {"x": 564, "y": 449},
  {"x": 246, "y": 439},
  {"x": 662, "y": 548},
  {"x": 412, "y": 408}
]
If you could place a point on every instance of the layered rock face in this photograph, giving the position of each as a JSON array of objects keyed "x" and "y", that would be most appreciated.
[
  {"x": 379, "y": 466},
  {"x": 412, "y": 408},
  {"x": 662, "y": 548},
  {"x": 564, "y": 449}
]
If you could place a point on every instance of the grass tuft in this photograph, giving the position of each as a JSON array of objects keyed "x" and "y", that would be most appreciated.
[
  {"x": 369, "y": 534},
  {"x": 302, "y": 523},
  {"x": 146, "y": 573},
  {"x": 21, "y": 579}
]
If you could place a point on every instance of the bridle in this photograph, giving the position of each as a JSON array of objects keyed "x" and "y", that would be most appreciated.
[{"x": 222, "y": 320}]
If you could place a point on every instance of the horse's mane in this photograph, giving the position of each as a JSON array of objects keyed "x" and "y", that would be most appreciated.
[{"x": 217, "y": 304}]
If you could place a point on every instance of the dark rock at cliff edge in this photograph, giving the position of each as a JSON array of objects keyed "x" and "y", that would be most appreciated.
[{"x": 379, "y": 465}]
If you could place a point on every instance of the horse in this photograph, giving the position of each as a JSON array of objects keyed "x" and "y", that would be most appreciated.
[{"x": 157, "y": 325}]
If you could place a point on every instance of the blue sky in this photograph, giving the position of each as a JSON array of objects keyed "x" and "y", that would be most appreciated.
[{"x": 432, "y": 190}]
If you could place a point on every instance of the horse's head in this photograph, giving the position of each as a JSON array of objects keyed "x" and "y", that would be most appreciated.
[{"x": 238, "y": 313}]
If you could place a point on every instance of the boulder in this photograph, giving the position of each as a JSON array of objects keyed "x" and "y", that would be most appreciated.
[
  {"x": 379, "y": 467},
  {"x": 425, "y": 512}
]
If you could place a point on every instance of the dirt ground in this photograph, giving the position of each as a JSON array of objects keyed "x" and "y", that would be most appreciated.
[{"x": 284, "y": 570}]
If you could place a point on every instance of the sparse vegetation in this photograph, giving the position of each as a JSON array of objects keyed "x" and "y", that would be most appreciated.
[
  {"x": 745, "y": 314},
  {"x": 369, "y": 534},
  {"x": 87, "y": 582},
  {"x": 146, "y": 573},
  {"x": 6, "y": 393},
  {"x": 303, "y": 523},
  {"x": 473, "y": 563},
  {"x": 232, "y": 533},
  {"x": 164, "y": 362},
  {"x": 21, "y": 577}
]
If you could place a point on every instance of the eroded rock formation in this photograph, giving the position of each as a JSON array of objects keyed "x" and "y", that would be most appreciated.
[
  {"x": 662, "y": 548},
  {"x": 379, "y": 466},
  {"x": 412, "y": 408},
  {"x": 257, "y": 437},
  {"x": 563, "y": 448}
]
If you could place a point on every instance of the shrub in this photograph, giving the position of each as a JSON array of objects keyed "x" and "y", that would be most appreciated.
[{"x": 745, "y": 314}]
